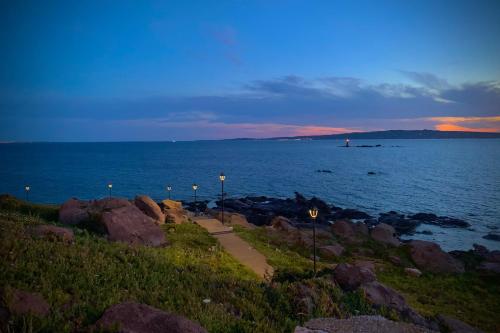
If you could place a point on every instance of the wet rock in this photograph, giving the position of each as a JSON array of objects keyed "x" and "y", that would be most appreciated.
[
  {"x": 426, "y": 232},
  {"x": 358, "y": 324},
  {"x": 130, "y": 225},
  {"x": 371, "y": 173},
  {"x": 492, "y": 236},
  {"x": 324, "y": 171},
  {"x": 335, "y": 250},
  {"x": 429, "y": 257},
  {"x": 385, "y": 234},
  {"x": 150, "y": 208},
  {"x": 351, "y": 214},
  {"x": 426, "y": 217},
  {"x": 350, "y": 277},
  {"x": 53, "y": 232},
  {"x": 140, "y": 318},
  {"x": 453, "y": 325},
  {"x": 22, "y": 303},
  {"x": 399, "y": 222}
]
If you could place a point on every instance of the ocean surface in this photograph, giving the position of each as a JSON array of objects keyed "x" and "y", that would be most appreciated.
[{"x": 458, "y": 178}]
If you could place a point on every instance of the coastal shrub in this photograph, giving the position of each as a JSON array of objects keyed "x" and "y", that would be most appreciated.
[{"x": 9, "y": 203}]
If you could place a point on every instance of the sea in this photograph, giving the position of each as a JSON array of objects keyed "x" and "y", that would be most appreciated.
[{"x": 454, "y": 177}]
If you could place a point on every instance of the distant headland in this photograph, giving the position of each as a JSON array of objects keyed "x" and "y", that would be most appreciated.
[{"x": 397, "y": 134}]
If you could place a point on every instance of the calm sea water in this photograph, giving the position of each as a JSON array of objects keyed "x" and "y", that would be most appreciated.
[{"x": 458, "y": 178}]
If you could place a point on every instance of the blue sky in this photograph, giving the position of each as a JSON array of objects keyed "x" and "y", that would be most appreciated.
[{"x": 160, "y": 70}]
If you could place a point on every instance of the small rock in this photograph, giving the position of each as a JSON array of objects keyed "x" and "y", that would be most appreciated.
[
  {"x": 413, "y": 272},
  {"x": 395, "y": 260},
  {"x": 381, "y": 295},
  {"x": 140, "y": 318}
]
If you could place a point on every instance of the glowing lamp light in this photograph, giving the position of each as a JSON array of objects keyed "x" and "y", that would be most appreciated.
[
  {"x": 27, "y": 188},
  {"x": 195, "y": 187},
  {"x": 110, "y": 186},
  {"x": 222, "y": 177},
  {"x": 313, "y": 212}
]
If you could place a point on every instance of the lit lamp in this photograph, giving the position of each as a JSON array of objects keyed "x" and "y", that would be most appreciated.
[
  {"x": 110, "y": 186},
  {"x": 195, "y": 188},
  {"x": 222, "y": 178},
  {"x": 313, "y": 212},
  {"x": 27, "y": 189},
  {"x": 347, "y": 142},
  {"x": 169, "y": 189}
]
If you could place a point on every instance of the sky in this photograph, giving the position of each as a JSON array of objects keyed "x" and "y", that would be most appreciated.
[{"x": 189, "y": 70}]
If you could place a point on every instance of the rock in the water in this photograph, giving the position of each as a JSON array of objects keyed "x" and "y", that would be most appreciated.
[
  {"x": 492, "y": 236},
  {"x": 413, "y": 271},
  {"x": 22, "y": 303},
  {"x": 128, "y": 224},
  {"x": 141, "y": 318},
  {"x": 429, "y": 257},
  {"x": 427, "y": 217},
  {"x": 53, "y": 232},
  {"x": 334, "y": 250},
  {"x": 453, "y": 325},
  {"x": 150, "y": 208},
  {"x": 350, "y": 277},
  {"x": 359, "y": 324},
  {"x": 399, "y": 222},
  {"x": 386, "y": 234}
]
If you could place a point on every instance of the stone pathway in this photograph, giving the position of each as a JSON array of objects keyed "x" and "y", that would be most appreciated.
[{"x": 237, "y": 247}]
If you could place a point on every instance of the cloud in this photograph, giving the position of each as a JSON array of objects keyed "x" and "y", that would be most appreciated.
[
  {"x": 287, "y": 105},
  {"x": 477, "y": 124},
  {"x": 427, "y": 80}
]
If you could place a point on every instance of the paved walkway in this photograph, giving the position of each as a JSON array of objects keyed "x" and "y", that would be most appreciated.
[{"x": 237, "y": 247}]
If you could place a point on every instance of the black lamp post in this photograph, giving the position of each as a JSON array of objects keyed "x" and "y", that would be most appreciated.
[
  {"x": 110, "y": 186},
  {"x": 195, "y": 187},
  {"x": 27, "y": 189},
  {"x": 313, "y": 212},
  {"x": 169, "y": 189},
  {"x": 222, "y": 178}
]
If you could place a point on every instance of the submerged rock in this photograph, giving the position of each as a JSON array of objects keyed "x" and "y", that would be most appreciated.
[
  {"x": 140, "y": 318},
  {"x": 492, "y": 236}
]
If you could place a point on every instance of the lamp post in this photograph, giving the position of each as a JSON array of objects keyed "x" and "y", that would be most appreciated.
[
  {"x": 195, "y": 187},
  {"x": 222, "y": 178},
  {"x": 169, "y": 189},
  {"x": 27, "y": 189},
  {"x": 110, "y": 186},
  {"x": 313, "y": 212},
  {"x": 347, "y": 142}
]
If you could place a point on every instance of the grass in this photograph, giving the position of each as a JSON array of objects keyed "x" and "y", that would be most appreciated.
[{"x": 81, "y": 280}]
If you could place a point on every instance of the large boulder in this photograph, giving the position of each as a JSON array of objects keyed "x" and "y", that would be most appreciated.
[
  {"x": 139, "y": 318},
  {"x": 344, "y": 229},
  {"x": 429, "y": 257},
  {"x": 350, "y": 277},
  {"x": 386, "y": 234},
  {"x": 174, "y": 213},
  {"x": 23, "y": 303},
  {"x": 150, "y": 208},
  {"x": 359, "y": 324},
  {"x": 281, "y": 223},
  {"x": 73, "y": 212},
  {"x": 53, "y": 232},
  {"x": 129, "y": 225}
]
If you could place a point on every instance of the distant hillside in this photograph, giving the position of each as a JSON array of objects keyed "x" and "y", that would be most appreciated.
[{"x": 400, "y": 134}]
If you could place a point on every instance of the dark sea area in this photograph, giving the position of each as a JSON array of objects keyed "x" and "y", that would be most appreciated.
[{"x": 459, "y": 178}]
